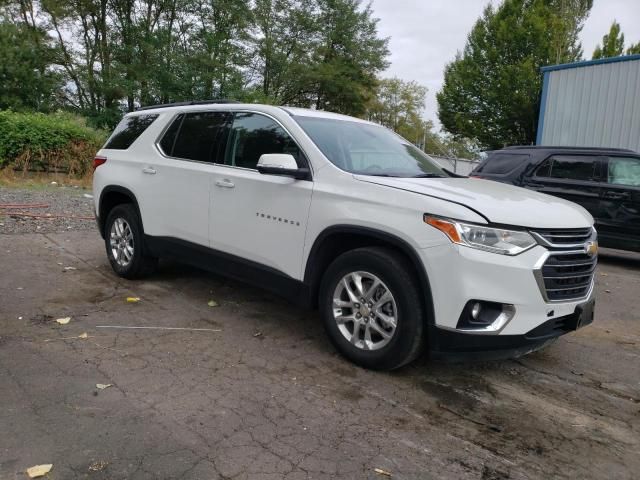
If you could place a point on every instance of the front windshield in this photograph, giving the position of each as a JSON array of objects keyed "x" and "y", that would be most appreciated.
[{"x": 368, "y": 149}]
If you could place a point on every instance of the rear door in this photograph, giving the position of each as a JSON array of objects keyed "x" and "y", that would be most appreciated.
[
  {"x": 621, "y": 201},
  {"x": 260, "y": 218},
  {"x": 177, "y": 185},
  {"x": 573, "y": 177}
]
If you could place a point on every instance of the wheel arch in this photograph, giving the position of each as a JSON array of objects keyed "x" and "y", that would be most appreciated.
[
  {"x": 110, "y": 197},
  {"x": 336, "y": 240}
]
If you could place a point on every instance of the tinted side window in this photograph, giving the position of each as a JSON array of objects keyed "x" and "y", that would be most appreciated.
[
  {"x": 169, "y": 137},
  {"x": 500, "y": 163},
  {"x": 624, "y": 171},
  {"x": 571, "y": 167},
  {"x": 253, "y": 135},
  {"x": 202, "y": 136},
  {"x": 128, "y": 130}
]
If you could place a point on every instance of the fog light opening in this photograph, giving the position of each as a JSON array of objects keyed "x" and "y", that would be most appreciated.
[{"x": 480, "y": 316}]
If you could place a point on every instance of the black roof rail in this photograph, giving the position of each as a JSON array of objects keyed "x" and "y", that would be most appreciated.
[
  {"x": 184, "y": 104},
  {"x": 566, "y": 147}
]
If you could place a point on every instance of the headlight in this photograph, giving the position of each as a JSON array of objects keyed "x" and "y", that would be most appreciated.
[{"x": 496, "y": 240}]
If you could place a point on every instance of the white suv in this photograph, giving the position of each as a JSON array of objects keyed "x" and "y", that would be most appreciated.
[{"x": 338, "y": 213}]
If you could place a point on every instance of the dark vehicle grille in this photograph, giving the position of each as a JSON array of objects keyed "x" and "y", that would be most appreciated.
[
  {"x": 565, "y": 237},
  {"x": 568, "y": 275}
]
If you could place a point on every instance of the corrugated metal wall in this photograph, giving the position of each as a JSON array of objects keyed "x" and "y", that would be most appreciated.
[{"x": 595, "y": 105}]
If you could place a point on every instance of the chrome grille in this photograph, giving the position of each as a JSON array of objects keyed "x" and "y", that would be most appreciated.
[
  {"x": 568, "y": 275},
  {"x": 564, "y": 237},
  {"x": 568, "y": 271}
]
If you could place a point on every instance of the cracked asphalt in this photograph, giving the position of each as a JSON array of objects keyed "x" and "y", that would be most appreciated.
[{"x": 259, "y": 393}]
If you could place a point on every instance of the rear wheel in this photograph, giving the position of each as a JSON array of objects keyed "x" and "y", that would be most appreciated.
[
  {"x": 371, "y": 308},
  {"x": 124, "y": 241}
]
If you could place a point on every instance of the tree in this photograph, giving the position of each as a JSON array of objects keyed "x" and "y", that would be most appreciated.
[
  {"x": 398, "y": 105},
  {"x": 612, "y": 43},
  {"x": 566, "y": 26},
  {"x": 491, "y": 89},
  {"x": 116, "y": 55},
  {"x": 634, "y": 49},
  {"x": 286, "y": 35},
  {"x": 348, "y": 57},
  {"x": 27, "y": 77}
]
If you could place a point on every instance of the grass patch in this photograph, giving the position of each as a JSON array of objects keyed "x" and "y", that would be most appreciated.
[{"x": 11, "y": 178}]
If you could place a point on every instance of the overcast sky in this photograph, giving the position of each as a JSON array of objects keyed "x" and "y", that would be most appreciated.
[{"x": 426, "y": 34}]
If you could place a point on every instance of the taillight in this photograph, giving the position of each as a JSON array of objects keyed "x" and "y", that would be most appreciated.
[{"x": 97, "y": 161}]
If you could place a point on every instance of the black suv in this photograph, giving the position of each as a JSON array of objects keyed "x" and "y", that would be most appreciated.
[{"x": 604, "y": 181}]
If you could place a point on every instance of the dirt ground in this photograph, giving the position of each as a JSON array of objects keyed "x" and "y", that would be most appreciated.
[{"x": 251, "y": 388}]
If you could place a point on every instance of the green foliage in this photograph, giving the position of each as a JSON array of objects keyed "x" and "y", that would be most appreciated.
[
  {"x": 491, "y": 90},
  {"x": 39, "y": 141},
  {"x": 568, "y": 17},
  {"x": 115, "y": 55},
  {"x": 26, "y": 79},
  {"x": 612, "y": 43},
  {"x": 399, "y": 105}
]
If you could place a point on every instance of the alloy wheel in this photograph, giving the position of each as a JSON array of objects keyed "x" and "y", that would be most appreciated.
[
  {"x": 121, "y": 242},
  {"x": 365, "y": 310}
]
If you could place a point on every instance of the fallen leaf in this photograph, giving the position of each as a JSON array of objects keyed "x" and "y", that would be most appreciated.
[
  {"x": 257, "y": 334},
  {"x": 39, "y": 470},
  {"x": 380, "y": 471},
  {"x": 83, "y": 335},
  {"x": 604, "y": 274},
  {"x": 69, "y": 268},
  {"x": 63, "y": 321},
  {"x": 133, "y": 299},
  {"x": 98, "y": 466},
  {"x": 212, "y": 303},
  {"x": 608, "y": 291},
  {"x": 102, "y": 386}
]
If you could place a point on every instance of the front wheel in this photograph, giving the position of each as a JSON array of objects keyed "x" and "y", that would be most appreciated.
[
  {"x": 371, "y": 308},
  {"x": 124, "y": 241}
]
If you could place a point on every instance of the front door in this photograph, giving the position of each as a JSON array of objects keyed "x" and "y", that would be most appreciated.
[
  {"x": 620, "y": 220},
  {"x": 260, "y": 218}
]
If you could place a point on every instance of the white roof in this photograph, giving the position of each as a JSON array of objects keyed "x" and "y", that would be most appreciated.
[{"x": 296, "y": 111}]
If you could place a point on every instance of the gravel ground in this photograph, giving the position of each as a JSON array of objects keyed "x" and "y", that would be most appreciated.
[{"x": 60, "y": 200}]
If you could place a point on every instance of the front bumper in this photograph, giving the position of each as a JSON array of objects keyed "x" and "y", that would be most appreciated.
[
  {"x": 458, "y": 274},
  {"x": 451, "y": 344}
]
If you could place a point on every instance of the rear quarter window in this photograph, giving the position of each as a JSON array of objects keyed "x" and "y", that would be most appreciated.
[
  {"x": 128, "y": 131},
  {"x": 502, "y": 163}
]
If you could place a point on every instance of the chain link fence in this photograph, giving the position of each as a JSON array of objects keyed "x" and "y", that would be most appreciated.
[{"x": 461, "y": 166}]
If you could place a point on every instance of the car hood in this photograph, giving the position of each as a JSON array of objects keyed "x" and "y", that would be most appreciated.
[{"x": 497, "y": 202}]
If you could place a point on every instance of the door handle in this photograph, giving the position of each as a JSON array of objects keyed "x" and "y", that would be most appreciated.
[
  {"x": 616, "y": 196},
  {"x": 225, "y": 183},
  {"x": 149, "y": 170}
]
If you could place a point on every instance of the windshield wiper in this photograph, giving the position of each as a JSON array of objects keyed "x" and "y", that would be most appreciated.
[
  {"x": 378, "y": 175},
  {"x": 428, "y": 175}
]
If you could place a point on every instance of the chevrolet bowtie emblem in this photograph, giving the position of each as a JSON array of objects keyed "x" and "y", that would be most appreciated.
[{"x": 591, "y": 248}]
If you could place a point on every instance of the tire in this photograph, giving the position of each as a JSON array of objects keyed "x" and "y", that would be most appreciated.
[
  {"x": 393, "y": 271},
  {"x": 127, "y": 251}
]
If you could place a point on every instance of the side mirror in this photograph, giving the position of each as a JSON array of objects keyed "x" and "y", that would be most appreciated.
[{"x": 281, "y": 164}]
